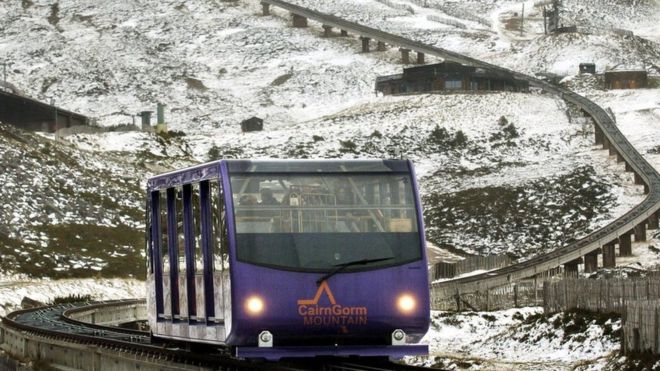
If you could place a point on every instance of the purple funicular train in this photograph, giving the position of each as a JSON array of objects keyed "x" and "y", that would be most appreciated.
[{"x": 291, "y": 258}]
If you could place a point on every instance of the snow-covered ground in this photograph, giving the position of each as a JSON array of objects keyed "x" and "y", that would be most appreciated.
[
  {"x": 13, "y": 289},
  {"x": 519, "y": 339}
]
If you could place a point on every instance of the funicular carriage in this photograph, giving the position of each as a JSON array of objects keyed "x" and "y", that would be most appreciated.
[{"x": 238, "y": 248}]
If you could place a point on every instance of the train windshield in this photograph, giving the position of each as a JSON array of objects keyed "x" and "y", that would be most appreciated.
[{"x": 314, "y": 222}]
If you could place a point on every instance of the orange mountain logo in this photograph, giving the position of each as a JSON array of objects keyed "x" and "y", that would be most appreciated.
[{"x": 314, "y": 314}]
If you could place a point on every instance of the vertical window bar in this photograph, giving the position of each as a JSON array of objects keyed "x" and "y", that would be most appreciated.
[
  {"x": 149, "y": 233},
  {"x": 395, "y": 197},
  {"x": 189, "y": 240},
  {"x": 207, "y": 247},
  {"x": 173, "y": 241},
  {"x": 157, "y": 258}
]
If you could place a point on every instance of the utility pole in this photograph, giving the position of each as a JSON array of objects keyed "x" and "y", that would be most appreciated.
[{"x": 522, "y": 19}]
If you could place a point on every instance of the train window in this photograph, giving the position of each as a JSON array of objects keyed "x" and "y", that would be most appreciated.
[
  {"x": 220, "y": 256},
  {"x": 317, "y": 221},
  {"x": 164, "y": 235},
  {"x": 179, "y": 230},
  {"x": 197, "y": 221}
]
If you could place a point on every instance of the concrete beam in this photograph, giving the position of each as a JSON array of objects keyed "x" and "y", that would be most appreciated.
[
  {"x": 381, "y": 46},
  {"x": 405, "y": 55},
  {"x": 299, "y": 21},
  {"x": 640, "y": 232},
  {"x": 365, "y": 44},
  {"x": 327, "y": 30},
  {"x": 591, "y": 261},
  {"x": 571, "y": 268},
  {"x": 653, "y": 221},
  {"x": 598, "y": 135},
  {"x": 625, "y": 246},
  {"x": 609, "y": 256},
  {"x": 420, "y": 58},
  {"x": 613, "y": 151},
  {"x": 266, "y": 8}
]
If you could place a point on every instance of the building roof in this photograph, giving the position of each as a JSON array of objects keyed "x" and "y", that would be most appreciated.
[
  {"x": 6, "y": 95},
  {"x": 626, "y": 68}
]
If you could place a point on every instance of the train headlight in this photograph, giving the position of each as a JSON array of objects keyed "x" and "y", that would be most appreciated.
[
  {"x": 406, "y": 303},
  {"x": 254, "y": 305}
]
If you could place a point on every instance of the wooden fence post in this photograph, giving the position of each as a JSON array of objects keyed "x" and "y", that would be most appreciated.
[
  {"x": 487, "y": 299},
  {"x": 655, "y": 329},
  {"x": 515, "y": 295}
]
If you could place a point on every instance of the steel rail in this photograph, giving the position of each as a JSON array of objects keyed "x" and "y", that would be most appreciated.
[
  {"x": 48, "y": 322},
  {"x": 541, "y": 263},
  {"x": 69, "y": 316}
]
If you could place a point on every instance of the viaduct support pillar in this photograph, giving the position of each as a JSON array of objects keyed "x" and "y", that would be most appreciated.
[
  {"x": 613, "y": 151},
  {"x": 405, "y": 55},
  {"x": 619, "y": 158},
  {"x": 606, "y": 143},
  {"x": 365, "y": 44},
  {"x": 381, "y": 46},
  {"x": 420, "y": 58},
  {"x": 640, "y": 232},
  {"x": 571, "y": 268},
  {"x": 327, "y": 30},
  {"x": 343, "y": 33},
  {"x": 609, "y": 257},
  {"x": 653, "y": 221},
  {"x": 591, "y": 262},
  {"x": 598, "y": 134},
  {"x": 299, "y": 21},
  {"x": 625, "y": 246},
  {"x": 266, "y": 8}
]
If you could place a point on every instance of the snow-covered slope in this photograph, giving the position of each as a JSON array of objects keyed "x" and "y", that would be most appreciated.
[{"x": 497, "y": 170}]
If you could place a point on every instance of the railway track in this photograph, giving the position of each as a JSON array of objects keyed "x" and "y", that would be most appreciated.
[
  {"x": 606, "y": 131},
  {"x": 48, "y": 329}
]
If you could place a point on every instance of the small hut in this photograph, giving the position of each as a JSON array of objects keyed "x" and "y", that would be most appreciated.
[
  {"x": 252, "y": 124},
  {"x": 587, "y": 68},
  {"x": 626, "y": 78},
  {"x": 448, "y": 76}
]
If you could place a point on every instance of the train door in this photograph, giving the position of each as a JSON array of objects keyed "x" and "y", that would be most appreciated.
[
  {"x": 165, "y": 224},
  {"x": 220, "y": 255}
]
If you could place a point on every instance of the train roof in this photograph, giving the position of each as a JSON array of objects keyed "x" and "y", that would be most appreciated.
[{"x": 211, "y": 170}]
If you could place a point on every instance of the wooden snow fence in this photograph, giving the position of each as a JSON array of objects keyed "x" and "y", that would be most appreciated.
[
  {"x": 640, "y": 327},
  {"x": 520, "y": 294},
  {"x": 605, "y": 296},
  {"x": 637, "y": 300},
  {"x": 471, "y": 264}
]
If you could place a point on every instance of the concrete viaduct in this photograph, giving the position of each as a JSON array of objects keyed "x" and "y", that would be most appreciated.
[{"x": 585, "y": 251}]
